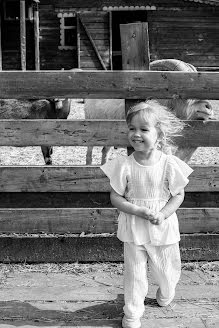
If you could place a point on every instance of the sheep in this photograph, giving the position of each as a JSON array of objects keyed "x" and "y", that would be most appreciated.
[
  {"x": 36, "y": 109},
  {"x": 185, "y": 109}
]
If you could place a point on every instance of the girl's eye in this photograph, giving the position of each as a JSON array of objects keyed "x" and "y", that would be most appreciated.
[
  {"x": 131, "y": 129},
  {"x": 144, "y": 130}
]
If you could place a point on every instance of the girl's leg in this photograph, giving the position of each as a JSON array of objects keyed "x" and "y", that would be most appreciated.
[
  {"x": 165, "y": 265},
  {"x": 135, "y": 284}
]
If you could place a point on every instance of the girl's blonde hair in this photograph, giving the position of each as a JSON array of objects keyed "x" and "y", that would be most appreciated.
[{"x": 167, "y": 124}]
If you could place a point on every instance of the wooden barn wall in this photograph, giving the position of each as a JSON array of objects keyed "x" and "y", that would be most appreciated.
[
  {"x": 50, "y": 55},
  {"x": 178, "y": 29},
  {"x": 97, "y": 25},
  {"x": 187, "y": 35}
]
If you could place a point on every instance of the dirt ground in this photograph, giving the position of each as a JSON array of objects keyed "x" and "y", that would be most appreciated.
[{"x": 91, "y": 295}]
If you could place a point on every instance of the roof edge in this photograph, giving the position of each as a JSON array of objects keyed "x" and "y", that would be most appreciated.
[{"x": 207, "y": 2}]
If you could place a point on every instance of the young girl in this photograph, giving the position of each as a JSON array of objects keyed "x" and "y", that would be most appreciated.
[{"x": 147, "y": 188}]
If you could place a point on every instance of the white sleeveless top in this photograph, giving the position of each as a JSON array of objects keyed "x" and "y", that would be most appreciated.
[{"x": 149, "y": 186}]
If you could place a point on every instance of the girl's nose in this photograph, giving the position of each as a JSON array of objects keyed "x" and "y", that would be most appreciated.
[{"x": 137, "y": 132}]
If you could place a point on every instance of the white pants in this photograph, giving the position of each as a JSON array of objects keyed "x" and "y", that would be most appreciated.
[{"x": 165, "y": 265}]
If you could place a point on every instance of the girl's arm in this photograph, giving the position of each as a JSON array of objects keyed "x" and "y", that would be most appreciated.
[
  {"x": 172, "y": 205},
  {"x": 123, "y": 205}
]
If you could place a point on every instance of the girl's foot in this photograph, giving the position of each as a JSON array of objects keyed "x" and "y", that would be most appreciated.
[
  {"x": 130, "y": 323},
  {"x": 171, "y": 306},
  {"x": 163, "y": 301}
]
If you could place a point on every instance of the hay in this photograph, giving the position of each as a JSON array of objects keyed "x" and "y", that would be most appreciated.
[{"x": 83, "y": 268}]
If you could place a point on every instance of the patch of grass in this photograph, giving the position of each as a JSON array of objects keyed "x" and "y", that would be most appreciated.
[
  {"x": 203, "y": 266},
  {"x": 85, "y": 268},
  {"x": 66, "y": 268}
]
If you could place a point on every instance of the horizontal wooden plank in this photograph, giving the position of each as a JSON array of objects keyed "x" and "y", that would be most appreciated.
[
  {"x": 200, "y": 199},
  {"x": 91, "y": 65},
  {"x": 185, "y": 32},
  {"x": 96, "y": 33},
  {"x": 92, "y": 61},
  {"x": 87, "y": 47},
  {"x": 203, "y": 25},
  {"x": 204, "y": 178},
  {"x": 60, "y": 249},
  {"x": 94, "y": 133},
  {"x": 185, "y": 15},
  {"x": 58, "y": 221},
  {"x": 102, "y": 25},
  {"x": 89, "y": 200},
  {"x": 101, "y": 43},
  {"x": 94, "y": 220},
  {"x": 67, "y": 200},
  {"x": 108, "y": 84},
  {"x": 85, "y": 179}
]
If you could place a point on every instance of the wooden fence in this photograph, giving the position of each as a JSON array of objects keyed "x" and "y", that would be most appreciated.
[{"x": 63, "y": 213}]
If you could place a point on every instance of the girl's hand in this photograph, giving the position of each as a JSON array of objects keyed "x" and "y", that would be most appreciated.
[
  {"x": 158, "y": 218},
  {"x": 145, "y": 213}
]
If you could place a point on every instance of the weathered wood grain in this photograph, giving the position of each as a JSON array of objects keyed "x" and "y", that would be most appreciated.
[
  {"x": 94, "y": 133},
  {"x": 135, "y": 46},
  {"x": 58, "y": 221},
  {"x": 89, "y": 200},
  {"x": 61, "y": 249},
  {"x": 23, "y": 42},
  {"x": 85, "y": 179},
  {"x": 94, "y": 220},
  {"x": 116, "y": 84}
]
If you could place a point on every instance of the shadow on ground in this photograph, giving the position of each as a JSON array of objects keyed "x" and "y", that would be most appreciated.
[{"x": 69, "y": 313}]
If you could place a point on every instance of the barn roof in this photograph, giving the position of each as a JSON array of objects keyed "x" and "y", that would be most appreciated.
[
  {"x": 150, "y": 5},
  {"x": 209, "y": 2}
]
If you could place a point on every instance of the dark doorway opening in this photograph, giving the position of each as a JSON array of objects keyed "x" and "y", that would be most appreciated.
[{"x": 10, "y": 35}]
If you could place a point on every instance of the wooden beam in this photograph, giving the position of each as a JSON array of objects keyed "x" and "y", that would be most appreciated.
[
  {"x": 92, "y": 42},
  {"x": 78, "y": 42},
  {"x": 23, "y": 34},
  {"x": 94, "y": 220},
  {"x": 83, "y": 199},
  {"x": 1, "y": 43},
  {"x": 135, "y": 53},
  {"x": 36, "y": 35},
  {"x": 61, "y": 249},
  {"x": 94, "y": 133},
  {"x": 86, "y": 179},
  {"x": 135, "y": 46},
  {"x": 109, "y": 84},
  {"x": 110, "y": 41}
]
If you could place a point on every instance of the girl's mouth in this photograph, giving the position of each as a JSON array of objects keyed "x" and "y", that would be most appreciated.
[{"x": 137, "y": 141}]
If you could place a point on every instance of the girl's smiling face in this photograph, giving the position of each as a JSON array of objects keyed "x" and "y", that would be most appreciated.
[{"x": 143, "y": 134}]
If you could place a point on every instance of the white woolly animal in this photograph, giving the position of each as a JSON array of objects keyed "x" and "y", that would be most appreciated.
[
  {"x": 17, "y": 109},
  {"x": 186, "y": 109}
]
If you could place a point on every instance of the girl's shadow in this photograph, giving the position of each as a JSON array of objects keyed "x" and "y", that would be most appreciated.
[{"x": 104, "y": 314}]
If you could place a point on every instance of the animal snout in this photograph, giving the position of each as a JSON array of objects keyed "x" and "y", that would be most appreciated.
[
  {"x": 208, "y": 108},
  {"x": 205, "y": 112}
]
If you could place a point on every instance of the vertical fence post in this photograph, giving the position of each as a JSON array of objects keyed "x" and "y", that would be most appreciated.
[
  {"x": 135, "y": 46},
  {"x": 135, "y": 51},
  {"x": 36, "y": 34},
  {"x": 23, "y": 34},
  {"x": 0, "y": 43}
]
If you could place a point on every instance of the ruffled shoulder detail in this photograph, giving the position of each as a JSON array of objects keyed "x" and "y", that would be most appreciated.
[
  {"x": 116, "y": 171},
  {"x": 177, "y": 174}
]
